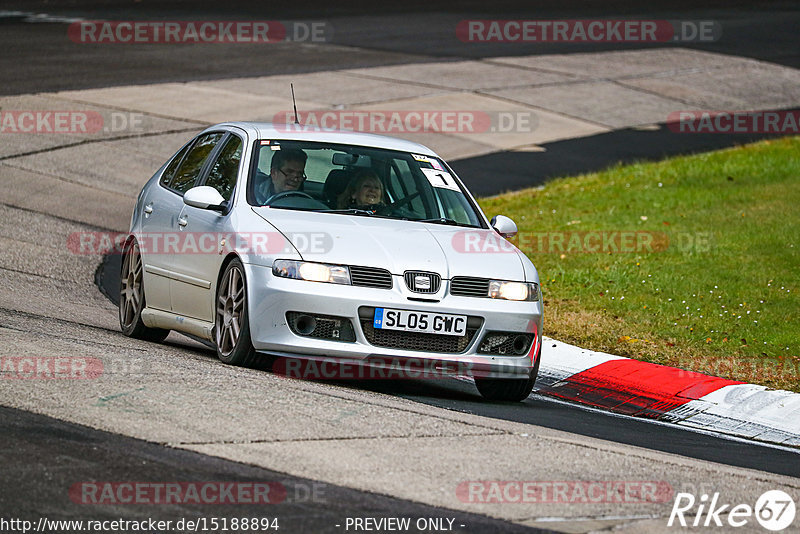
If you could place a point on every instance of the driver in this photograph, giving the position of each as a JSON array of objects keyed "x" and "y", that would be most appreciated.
[{"x": 287, "y": 173}]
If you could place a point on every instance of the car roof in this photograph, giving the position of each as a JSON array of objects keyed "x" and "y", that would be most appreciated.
[{"x": 266, "y": 130}]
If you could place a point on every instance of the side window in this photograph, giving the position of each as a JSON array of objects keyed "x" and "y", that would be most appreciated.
[
  {"x": 169, "y": 172},
  {"x": 187, "y": 173},
  {"x": 456, "y": 207},
  {"x": 222, "y": 176}
]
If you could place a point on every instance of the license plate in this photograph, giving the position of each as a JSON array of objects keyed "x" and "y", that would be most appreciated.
[{"x": 415, "y": 321}]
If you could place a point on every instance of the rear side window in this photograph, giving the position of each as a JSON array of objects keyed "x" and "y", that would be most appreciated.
[
  {"x": 186, "y": 175},
  {"x": 225, "y": 169},
  {"x": 169, "y": 172}
]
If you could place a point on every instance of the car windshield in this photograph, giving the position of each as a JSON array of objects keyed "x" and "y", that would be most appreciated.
[{"x": 358, "y": 181}]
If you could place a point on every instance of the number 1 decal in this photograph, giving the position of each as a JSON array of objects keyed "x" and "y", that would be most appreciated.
[{"x": 441, "y": 179}]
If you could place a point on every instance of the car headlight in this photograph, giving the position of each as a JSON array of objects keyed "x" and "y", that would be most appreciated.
[
  {"x": 312, "y": 272},
  {"x": 500, "y": 289}
]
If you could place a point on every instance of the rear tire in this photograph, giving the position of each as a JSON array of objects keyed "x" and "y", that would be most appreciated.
[
  {"x": 509, "y": 389},
  {"x": 131, "y": 297},
  {"x": 232, "y": 324}
]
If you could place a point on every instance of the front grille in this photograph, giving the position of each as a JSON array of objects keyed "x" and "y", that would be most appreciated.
[
  {"x": 422, "y": 282},
  {"x": 328, "y": 327},
  {"x": 370, "y": 277},
  {"x": 417, "y": 341},
  {"x": 465, "y": 286},
  {"x": 506, "y": 343}
]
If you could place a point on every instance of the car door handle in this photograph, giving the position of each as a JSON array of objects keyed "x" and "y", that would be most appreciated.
[
  {"x": 183, "y": 221},
  {"x": 148, "y": 209}
]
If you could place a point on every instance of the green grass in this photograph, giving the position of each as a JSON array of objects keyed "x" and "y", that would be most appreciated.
[{"x": 718, "y": 290}]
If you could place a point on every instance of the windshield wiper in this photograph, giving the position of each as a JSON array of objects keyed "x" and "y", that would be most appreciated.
[
  {"x": 285, "y": 208},
  {"x": 443, "y": 220},
  {"x": 350, "y": 211}
]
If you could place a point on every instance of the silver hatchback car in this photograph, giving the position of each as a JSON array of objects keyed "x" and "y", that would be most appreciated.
[{"x": 321, "y": 249}]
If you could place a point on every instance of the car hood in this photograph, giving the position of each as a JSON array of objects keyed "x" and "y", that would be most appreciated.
[{"x": 396, "y": 245}]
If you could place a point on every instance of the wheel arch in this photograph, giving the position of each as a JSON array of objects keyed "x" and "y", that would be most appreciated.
[{"x": 130, "y": 237}]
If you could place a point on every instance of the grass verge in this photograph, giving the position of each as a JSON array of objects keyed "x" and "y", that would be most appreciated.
[{"x": 691, "y": 262}]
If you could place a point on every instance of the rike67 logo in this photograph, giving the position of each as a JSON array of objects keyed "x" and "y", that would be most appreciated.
[{"x": 774, "y": 510}]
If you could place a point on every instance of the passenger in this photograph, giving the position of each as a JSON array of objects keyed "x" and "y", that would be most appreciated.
[
  {"x": 365, "y": 191},
  {"x": 287, "y": 173}
]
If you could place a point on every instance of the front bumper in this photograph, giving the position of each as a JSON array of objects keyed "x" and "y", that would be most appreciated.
[{"x": 271, "y": 297}]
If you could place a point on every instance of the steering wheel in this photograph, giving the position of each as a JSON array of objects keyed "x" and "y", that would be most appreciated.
[{"x": 285, "y": 194}]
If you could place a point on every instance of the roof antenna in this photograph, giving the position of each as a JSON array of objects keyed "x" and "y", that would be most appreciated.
[{"x": 294, "y": 103}]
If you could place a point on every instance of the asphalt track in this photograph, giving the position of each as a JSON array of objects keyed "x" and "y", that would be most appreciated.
[
  {"x": 509, "y": 171},
  {"x": 32, "y": 487},
  {"x": 38, "y": 56}
]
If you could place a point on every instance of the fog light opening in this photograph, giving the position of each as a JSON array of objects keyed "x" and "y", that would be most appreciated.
[
  {"x": 520, "y": 344},
  {"x": 305, "y": 324}
]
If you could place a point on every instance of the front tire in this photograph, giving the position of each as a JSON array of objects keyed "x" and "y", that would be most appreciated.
[
  {"x": 509, "y": 389},
  {"x": 131, "y": 297},
  {"x": 232, "y": 324}
]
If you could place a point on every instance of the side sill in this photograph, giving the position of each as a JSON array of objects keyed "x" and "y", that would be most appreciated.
[{"x": 169, "y": 321}]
